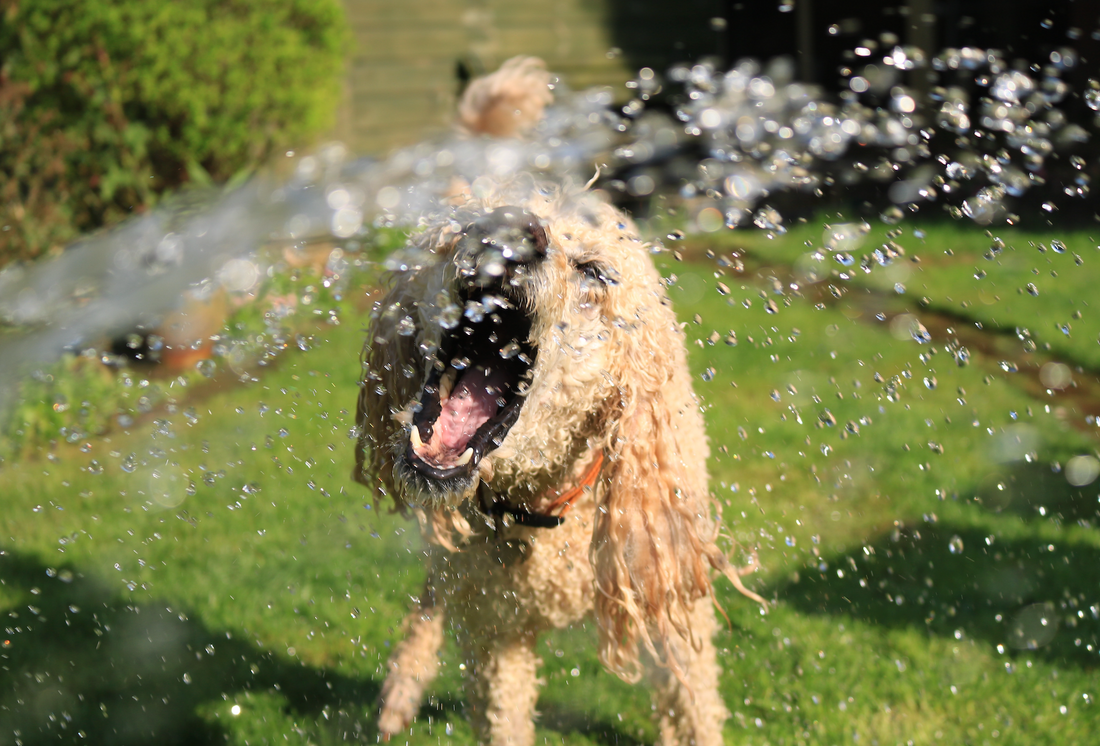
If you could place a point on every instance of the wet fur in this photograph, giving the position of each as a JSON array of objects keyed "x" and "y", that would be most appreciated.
[{"x": 638, "y": 547}]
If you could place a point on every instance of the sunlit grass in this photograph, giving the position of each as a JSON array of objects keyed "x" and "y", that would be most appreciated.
[
  {"x": 224, "y": 580},
  {"x": 1003, "y": 278}
]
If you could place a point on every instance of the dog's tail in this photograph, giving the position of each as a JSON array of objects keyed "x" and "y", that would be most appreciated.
[{"x": 509, "y": 102}]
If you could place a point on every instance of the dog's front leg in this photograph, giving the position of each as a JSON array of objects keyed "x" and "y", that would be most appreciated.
[
  {"x": 502, "y": 686},
  {"x": 413, "y": 665},
  {"x": 692, "y": 717}
]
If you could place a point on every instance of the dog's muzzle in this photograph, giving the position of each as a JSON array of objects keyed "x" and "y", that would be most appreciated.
[
  {"x": 495, "y": 249},
  {"x": 485, "y": 360}
]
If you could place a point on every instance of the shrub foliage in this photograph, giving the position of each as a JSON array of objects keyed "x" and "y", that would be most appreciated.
[{"x": 105, "y": 104}]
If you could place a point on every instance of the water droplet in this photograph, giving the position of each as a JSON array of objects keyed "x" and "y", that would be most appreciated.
[
  {"x": 474, "y": 311},
  {"x": 956, "y": 170},
  {"x": 1055, "y": 375},
  {"x": 1082, "y": 470},
  {"x": 206, "y": 367},
  {"x": 892, "y": 215},
  {"x": 768, "y": 218},
  {"x": 955, "y": 546},
  {"x": 449, "y": 316}
]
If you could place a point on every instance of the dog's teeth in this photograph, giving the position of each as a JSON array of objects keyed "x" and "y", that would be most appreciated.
[
  {"x": 447, "y": 384},
  {"x": 414, "y": 438},
  {"x": 466, "y": 457}
]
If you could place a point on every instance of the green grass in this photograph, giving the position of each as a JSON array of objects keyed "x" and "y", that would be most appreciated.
[
  {"x": 956, "y": 269},
  {"x": 220, "y": 578}
]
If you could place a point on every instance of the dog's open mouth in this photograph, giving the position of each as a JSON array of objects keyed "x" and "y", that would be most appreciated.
[
  {"x": 483, "y": 365},
  {"x": 475, "y": 390}
]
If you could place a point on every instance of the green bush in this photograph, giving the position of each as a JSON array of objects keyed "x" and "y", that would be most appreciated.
[{"x": 105, "y": 104}]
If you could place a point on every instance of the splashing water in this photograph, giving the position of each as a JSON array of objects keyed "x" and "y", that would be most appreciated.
[
  {"x": 758, "y": 132},
  {"x": 728, "y": 148}
]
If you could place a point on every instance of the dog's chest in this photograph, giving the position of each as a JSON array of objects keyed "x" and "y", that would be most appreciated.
[{"x": 525, "y": 577}]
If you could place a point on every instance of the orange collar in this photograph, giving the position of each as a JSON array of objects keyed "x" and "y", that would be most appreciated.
[
  {"x": 496, "y": 508},
  {"x": 565, "y": 499}
]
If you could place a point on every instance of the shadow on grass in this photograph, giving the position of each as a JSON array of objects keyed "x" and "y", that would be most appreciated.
[
  {"x": 566, "y": 721},
  {"x": 960, "y": 582},
  {"x": 80, "y": 663},
  {"x": 77, "y": 662},
  {"x": 1035, "y": 491}
]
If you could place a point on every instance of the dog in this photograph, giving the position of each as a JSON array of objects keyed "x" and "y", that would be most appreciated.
[{"x": 526, "y": 394}]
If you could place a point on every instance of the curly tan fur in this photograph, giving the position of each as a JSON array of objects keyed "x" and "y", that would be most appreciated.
[{"x": 609, "y": 379}]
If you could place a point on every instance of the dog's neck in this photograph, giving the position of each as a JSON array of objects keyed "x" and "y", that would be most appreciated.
[
  {"x": 563, "y": 501},
  {"x": 556, "y": 502}
]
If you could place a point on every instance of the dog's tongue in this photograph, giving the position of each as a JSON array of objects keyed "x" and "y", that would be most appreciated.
[{"x": 472, "y": 402}]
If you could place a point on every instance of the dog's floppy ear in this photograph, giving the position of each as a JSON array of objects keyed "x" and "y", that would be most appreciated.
[
  {"x": 392, "y": 375},
  {"x": 388, "y": 384},
  {"x": 653, "y": 546}
]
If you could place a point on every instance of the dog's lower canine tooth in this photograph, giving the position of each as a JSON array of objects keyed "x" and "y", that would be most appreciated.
[
  {"x": 446, "y": 384},
  {"x": 414, "y": 438},
  {"x": 466, "y": 457}
]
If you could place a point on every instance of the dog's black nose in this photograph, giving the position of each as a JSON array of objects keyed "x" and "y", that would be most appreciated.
[{"x": 505, "y": 239}]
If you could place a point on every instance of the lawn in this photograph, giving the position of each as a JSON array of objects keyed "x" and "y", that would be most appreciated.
[{"x": 212, "y": 574}]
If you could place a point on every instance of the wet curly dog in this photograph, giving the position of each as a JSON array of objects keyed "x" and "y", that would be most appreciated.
[{"x": 527, "y": 394}]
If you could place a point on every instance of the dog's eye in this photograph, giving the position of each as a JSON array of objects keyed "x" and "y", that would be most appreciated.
[{"x": 596, "y": 272}]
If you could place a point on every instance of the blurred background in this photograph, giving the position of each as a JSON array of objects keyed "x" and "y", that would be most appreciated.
[
  {"x": 108, "y": 105},
  {"x": 416, "y": 56},
  {"x": 876, "y": 224}
]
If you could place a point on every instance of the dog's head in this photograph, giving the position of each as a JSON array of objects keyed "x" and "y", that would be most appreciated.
[{"x": 502, "y": 350}]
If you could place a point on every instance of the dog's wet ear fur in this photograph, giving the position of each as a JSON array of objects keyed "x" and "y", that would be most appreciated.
[
  {"x": 653, "y": 544},
  {"x": 385, "y": 389}
]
